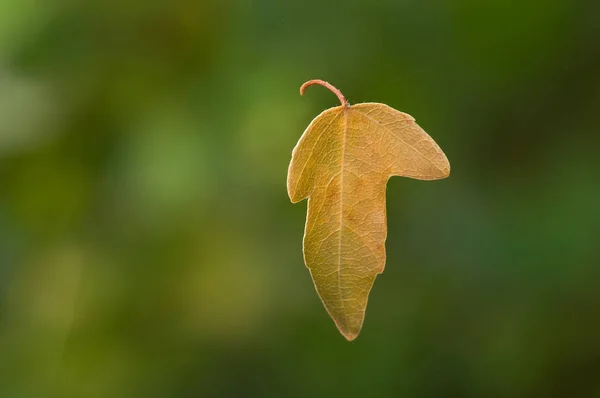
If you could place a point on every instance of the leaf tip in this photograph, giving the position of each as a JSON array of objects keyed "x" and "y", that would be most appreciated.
[
  {"x": 349, "y": 332},
  {"x": 350, "y": 336},
  {"x": 445, "y": 169}
]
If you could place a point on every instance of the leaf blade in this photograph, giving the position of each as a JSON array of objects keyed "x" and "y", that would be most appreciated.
[{"x": 342, "y": 165}]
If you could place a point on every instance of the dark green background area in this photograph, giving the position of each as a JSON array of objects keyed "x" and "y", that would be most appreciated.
[{"x": 148, "y": 247}]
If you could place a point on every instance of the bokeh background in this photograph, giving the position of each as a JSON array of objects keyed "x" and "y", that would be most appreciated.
[{"x": 148, "y": 247}]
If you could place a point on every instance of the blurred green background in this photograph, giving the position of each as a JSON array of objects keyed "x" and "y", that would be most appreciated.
[{"x": 148, "y": 247}]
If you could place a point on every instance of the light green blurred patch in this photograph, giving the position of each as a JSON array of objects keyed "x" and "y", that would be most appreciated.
[
  {"x": 29, "y": 112},
  {"x": 19, "y": 22},
  {"x": 164, "y": 165}
]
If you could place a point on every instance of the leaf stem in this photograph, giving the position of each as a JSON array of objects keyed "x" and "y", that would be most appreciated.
[{"x": 326, "y": 85}]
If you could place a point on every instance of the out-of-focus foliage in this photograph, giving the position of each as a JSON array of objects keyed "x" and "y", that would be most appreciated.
[{"x": 148, "y": 247}]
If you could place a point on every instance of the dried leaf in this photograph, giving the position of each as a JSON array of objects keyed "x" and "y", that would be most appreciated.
[{"x": 342, "y": 164}]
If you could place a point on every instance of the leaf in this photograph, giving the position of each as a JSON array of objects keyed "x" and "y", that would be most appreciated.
[{"x": 342, "y": 164}]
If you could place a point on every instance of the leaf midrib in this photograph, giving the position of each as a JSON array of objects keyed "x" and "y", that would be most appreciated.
[{"x": 341, "y": 223}]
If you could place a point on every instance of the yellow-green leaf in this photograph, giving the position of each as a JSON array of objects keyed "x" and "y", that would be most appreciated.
[{"x": 342, "y": 164}]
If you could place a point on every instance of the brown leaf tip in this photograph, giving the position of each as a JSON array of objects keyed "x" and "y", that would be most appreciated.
[
  {"x": 350, "y": 336},
  {"x": 327, "y": 85}
]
